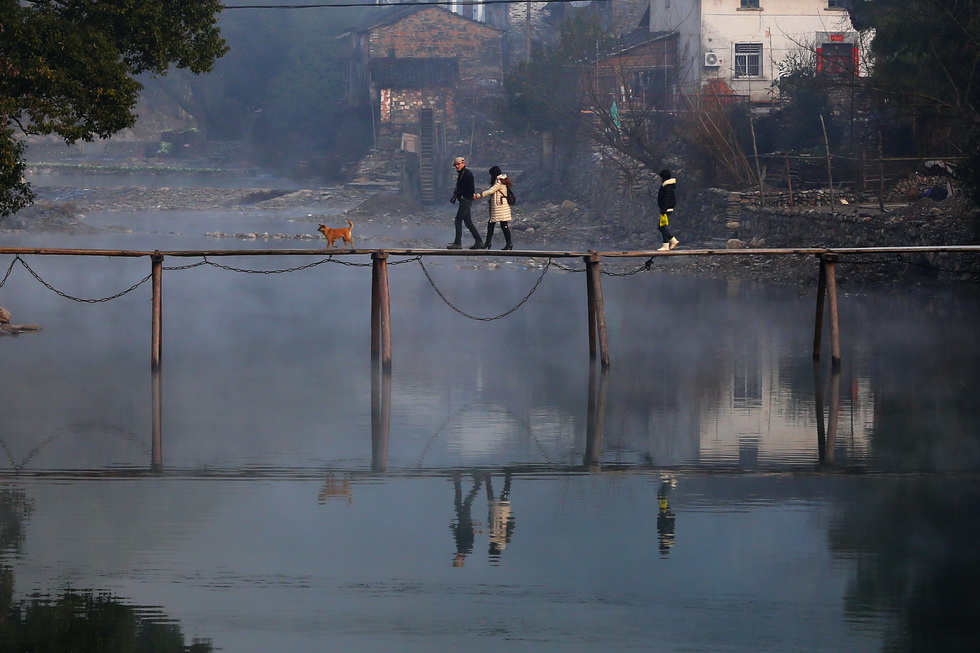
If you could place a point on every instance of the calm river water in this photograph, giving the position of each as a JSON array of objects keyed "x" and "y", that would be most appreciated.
[{"x": 713, "y": 491}]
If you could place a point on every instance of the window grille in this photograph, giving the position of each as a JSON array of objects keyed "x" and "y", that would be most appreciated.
[{"x": 748, "y": 60}]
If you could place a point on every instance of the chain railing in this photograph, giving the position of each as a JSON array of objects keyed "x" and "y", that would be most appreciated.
[
  {"x": 330, "y": 259},
  {"x": 478, "y": 318}
]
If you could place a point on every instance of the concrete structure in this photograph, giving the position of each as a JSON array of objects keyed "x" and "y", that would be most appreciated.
[{"x": 741, "y": 44}]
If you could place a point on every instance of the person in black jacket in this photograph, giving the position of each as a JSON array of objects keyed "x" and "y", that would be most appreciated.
[
  {"x": 666, "y": 201},
  {"x": 465, "y": 189}
]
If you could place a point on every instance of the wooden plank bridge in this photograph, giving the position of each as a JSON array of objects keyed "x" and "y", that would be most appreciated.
[{"x": 598, "y": 341}]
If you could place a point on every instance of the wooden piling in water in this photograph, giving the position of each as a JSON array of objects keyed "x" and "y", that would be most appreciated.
[
  {"x": 156, "y": 405},
  {"x": 156, "y": 338},
  {"x": 818, "y": 320},
  {"x": 597, "y": 318},
  {"x": 831, "y": 260},
  {"x": 380, "y": 310},
  {"x": 827, "y": 287}
]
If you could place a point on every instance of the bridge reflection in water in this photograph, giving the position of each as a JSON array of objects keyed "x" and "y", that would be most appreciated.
[{"x": 596, "y": 400}]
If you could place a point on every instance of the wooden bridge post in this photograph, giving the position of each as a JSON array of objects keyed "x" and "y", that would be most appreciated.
[
  {"x": 380, "y": 310},
  {"x": 156, "y": 328},
  {"x": 827, "y": 285},
  {"x": 831, "y": 260},
  {"x": 818, "y": 321},
  {"x": 597, "y": 318}
]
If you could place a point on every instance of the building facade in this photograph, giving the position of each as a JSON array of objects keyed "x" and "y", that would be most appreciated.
[{"x": 746, "y": 45}]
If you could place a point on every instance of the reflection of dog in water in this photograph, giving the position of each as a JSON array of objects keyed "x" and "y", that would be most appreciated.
[{"x": 333, "y": 234}]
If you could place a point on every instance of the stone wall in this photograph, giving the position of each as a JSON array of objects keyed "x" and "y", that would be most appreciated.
[{"x": 714, "y": 214}]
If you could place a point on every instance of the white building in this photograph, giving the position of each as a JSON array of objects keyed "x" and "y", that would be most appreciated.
[{"x": 736, "y": 46}]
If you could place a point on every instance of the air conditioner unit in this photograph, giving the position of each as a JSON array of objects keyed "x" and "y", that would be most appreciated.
[{"x": 711, "y": 60}]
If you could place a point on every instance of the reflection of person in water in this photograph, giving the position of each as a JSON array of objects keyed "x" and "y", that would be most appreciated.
[
  {"x": 462, "y": 526},
  {"x": 665, "y": 518},
  {"x": 501, "y": 520}
]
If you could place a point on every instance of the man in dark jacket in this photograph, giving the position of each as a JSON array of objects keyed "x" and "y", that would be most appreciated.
[
  {"x": 465, "y": 189},
  {"x": 666, "y": 201}
]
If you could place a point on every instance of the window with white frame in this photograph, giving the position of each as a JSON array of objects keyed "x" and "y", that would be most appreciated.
[
  {"x": 474, "y": 11},
  {"x": 749, "y": 4},
  {"x": 748, "y": 60}
]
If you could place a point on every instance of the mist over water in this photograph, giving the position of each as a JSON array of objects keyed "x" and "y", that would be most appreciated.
[{"x": 713, "y": 491}]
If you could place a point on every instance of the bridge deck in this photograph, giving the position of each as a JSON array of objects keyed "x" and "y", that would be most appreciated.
[{"x": 516, "y": 253}]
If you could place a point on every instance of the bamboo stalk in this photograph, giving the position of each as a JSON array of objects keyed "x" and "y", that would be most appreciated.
[
  {"x": 830, "y": 169},
  {"x": 758, "y": 170}
]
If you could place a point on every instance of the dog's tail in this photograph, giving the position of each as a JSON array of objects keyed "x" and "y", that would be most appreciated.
[{"x": 350, "y": 224}]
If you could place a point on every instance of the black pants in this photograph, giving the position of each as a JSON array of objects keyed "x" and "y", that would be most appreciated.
[
  {"x": 504, "y": 227},
  {"x": 665, "y": 232},
  {"x": 463, "y": 216}
]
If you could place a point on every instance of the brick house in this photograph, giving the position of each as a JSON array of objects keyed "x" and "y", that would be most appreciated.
[{"x": 409, "y": 58}]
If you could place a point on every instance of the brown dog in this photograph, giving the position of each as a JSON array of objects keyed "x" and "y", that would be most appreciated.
[{"x": 333, "y": 234}]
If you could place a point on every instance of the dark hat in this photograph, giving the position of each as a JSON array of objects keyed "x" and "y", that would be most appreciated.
[
  {"x": 665, "y": 174},
  {"x": 494, "y": 172}
]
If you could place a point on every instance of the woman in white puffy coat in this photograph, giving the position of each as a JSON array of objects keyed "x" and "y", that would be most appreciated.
[{"x": 499, "y": 207}]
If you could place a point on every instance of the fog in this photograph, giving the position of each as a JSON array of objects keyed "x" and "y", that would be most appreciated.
[{"x": 696, "y": 494}]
